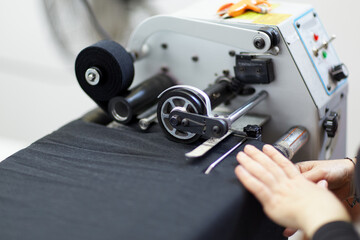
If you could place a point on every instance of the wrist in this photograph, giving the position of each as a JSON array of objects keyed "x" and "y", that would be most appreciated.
[
  {"x": 314, "y": 226},
  {"x": 317, "y": 215},
  {"x": 352, "y": 186}
]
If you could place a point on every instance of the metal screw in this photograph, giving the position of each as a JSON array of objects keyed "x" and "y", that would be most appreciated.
[
  {"x": 92, "y": 76},
  {"x": 164, "y": 46},
  {"x": 232, "y": 53},
  {"x": 216, "y": 129},
  {"x": 185, "y": 122},
  {"x": 164, "y": 69},
  {"x": 175, "y": 120},
  {"x": 259, "y": 43}
]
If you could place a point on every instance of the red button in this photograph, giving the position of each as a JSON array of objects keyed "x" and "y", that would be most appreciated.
[{"x": 316, "y": 37}]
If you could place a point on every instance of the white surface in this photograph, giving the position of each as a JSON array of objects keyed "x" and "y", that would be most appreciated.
[
  {"x": 9, "y": 147},
  {"x": 38, "y": 92}
]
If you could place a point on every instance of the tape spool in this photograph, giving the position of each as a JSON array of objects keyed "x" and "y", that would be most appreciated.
[{"x": 104, "y": 70}]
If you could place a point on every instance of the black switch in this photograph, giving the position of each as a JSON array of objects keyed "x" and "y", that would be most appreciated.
[
  {"x": 251, "y": 70},
  {"x": 339, "y": 72},
  {"x": 330, "y": 124}
]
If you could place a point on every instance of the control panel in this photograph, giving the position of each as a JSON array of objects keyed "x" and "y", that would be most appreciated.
[{"x": 317, "y": 43}]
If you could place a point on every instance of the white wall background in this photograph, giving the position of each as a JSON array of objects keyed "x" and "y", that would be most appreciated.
[{"x": 39, "y": 92}]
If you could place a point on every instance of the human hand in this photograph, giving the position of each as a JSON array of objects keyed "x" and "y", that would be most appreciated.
[
  {"x": 338, "y": 173},
  {"x": 287, "y": 197},
  {"x": 288, "y": 232}
]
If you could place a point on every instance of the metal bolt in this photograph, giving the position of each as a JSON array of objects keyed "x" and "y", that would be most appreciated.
[
  {"x": 259, "y": 43},
  {"x": 185, "y": 122},
  {"x": 92, "y": 76},
  {"x": 216, "y": 129},
  {"x": 164, "y": 46},
  {"x": 174, "y": 120}
]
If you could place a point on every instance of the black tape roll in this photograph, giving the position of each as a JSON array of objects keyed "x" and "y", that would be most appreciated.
[{"x": 114, "y": 65}]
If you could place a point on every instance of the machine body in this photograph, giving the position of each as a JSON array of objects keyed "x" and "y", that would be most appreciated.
[{"x": 286, "y": 53}]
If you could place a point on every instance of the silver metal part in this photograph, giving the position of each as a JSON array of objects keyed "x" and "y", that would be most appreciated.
[
  {"x": 145, "y": 123},
  {"x": 292, "y": 141},
  {"x": 176, "y": 103},
  {"x": 205, "y": 147},
  {"x": 324, "y": 45},
  {"x": 206, "y": 99},
  {"x": 250, "y": 104},
  {"x": 92, "y": 76},
  {"x": 236, "y": 129},
  {"x": 214, "y": 164},
  {"x": 120, "y": 111}
]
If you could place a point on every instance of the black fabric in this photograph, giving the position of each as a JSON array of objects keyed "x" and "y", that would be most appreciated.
[
  {"x": 336, "y": 231},
  {"x": 86, "y": 181}
]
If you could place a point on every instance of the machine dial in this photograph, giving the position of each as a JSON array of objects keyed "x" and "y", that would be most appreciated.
[
  {"x": 339, "y": 72},
  {"x": 330, "y": 124}
]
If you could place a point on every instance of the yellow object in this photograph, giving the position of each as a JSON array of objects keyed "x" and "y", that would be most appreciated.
[{"x": 237, "y": 9}]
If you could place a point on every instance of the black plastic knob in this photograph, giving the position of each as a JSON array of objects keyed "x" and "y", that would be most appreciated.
[
  {"x": 253, "y": 131},
  {"x": 330, "y": 124},
  {"x": 339, "y": 72}
]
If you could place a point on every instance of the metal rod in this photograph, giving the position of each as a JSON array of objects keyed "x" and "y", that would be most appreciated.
[
  {"x": 247, "y": 106},
  {"x": 214, "y": 164},
  {"x": 292, "y": 141},
  {"x": 145, "y": 123}
]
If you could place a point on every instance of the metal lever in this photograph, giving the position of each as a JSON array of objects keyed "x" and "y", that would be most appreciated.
[
  {"x": 214, "y": 164},
  {"x": 324, "y": 45},
  {"x": 211, "y": 126}
]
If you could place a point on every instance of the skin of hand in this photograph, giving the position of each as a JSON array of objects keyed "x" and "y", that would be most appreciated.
[
  {"x": 338, "y": 173},
  {"x": 287, "y": 197}
]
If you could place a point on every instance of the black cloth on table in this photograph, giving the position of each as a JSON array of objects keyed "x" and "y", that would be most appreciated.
[{"x": 87, "y": 181}]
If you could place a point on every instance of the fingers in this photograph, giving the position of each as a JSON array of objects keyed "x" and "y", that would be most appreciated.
[
  {"x": 323, "y": 183},
  {"x": 310, "y": 170},
  {"x": 305, "y": 166},
  {"x": 255, "y": 169},
  {"x": 253, "y": 185},
  {"x": 285, "y": 164},
  {"x": 268, "y": 164}
]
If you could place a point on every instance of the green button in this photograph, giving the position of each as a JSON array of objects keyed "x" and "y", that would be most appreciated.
[{"x": 324, "y": 54}]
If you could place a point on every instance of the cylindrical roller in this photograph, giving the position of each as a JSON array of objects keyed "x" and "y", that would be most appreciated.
[
  {"x": 219, "y": 93},
  {"x": 140, "y": 98},
  {"x": 292, "y": 141},
  {"x": 104, "y": 70}
]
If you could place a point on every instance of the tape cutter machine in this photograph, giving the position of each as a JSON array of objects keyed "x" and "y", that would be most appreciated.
[{"x": 273, "y": 75}]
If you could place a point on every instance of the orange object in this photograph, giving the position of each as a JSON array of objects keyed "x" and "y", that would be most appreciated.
[{"x": 234, "y": 10}]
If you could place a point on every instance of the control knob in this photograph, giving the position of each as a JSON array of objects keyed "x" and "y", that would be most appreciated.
[
  {"x": 339, "y": 72},
  {"x": 330, "y": 124}
]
